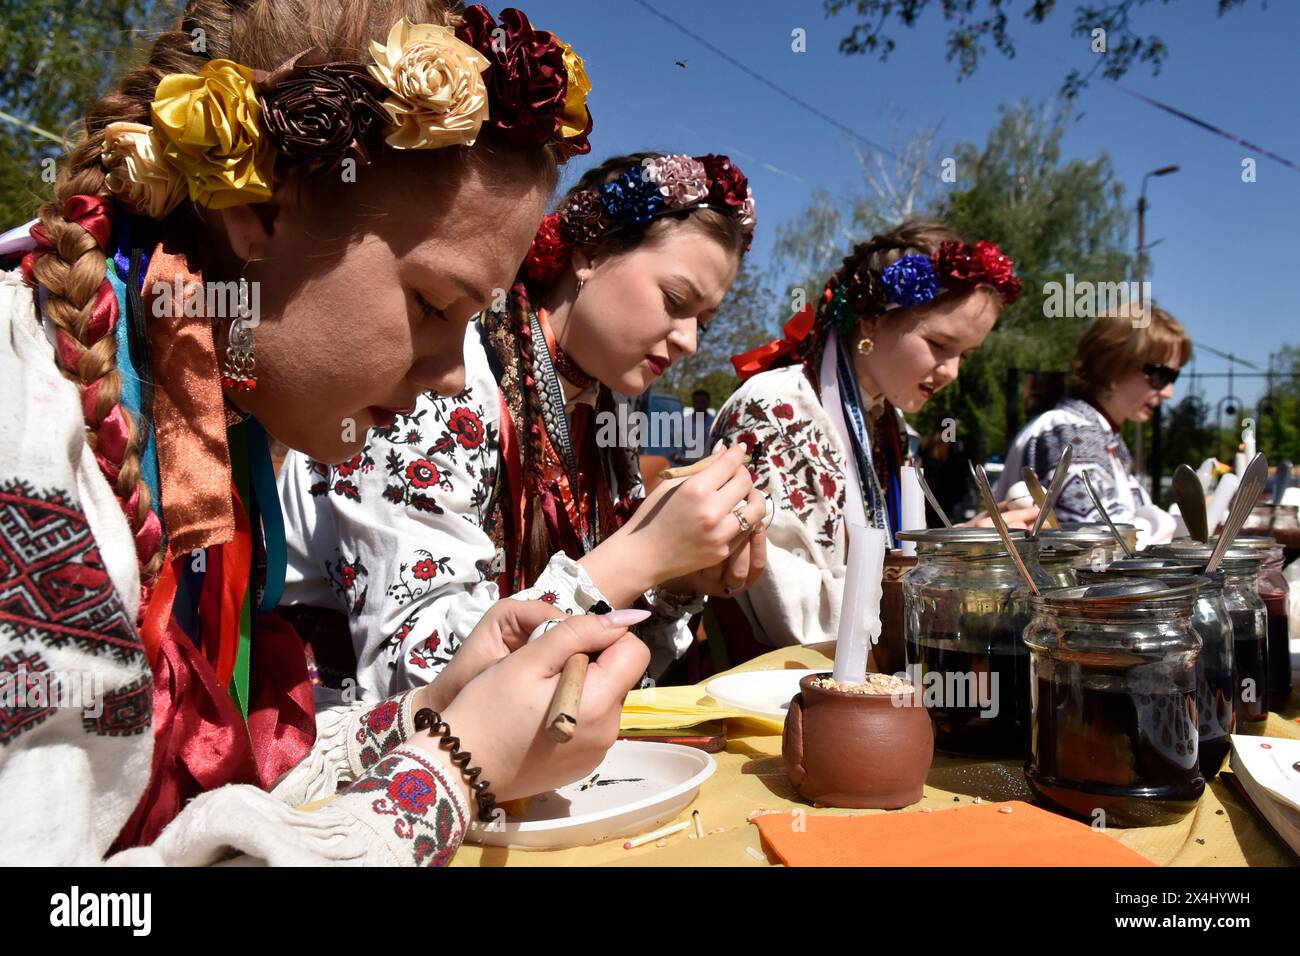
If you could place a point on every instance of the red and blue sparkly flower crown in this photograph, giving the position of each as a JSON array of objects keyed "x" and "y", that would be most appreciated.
[
  {"x": 660, "y": 186},
  {"x": 916, "y": 279}
]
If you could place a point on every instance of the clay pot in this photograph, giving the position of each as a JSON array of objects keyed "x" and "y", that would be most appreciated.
[{"x": 856, "y": 750}]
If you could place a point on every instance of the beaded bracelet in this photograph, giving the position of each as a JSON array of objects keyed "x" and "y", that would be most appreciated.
[{"x": 431, "y": 720}]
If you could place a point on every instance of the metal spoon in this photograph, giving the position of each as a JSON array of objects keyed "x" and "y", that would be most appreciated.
[
  {"x": 986, "y": 492},
  {"x": 929, "y": 496},
  {"x": 1054, "y": 489},
  {"x": 1096, "y": 503},
  {"x": 1191, "y": 502},
  {"x": 1038, "y": 494},
  {"x": 1243, "y": 503}
]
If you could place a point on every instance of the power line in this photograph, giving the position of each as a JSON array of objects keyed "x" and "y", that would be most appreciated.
[
  {"x": 754, "y": 74},
  {"x": 1203, "y": 124}
]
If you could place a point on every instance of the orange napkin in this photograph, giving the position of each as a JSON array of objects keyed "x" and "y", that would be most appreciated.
[{"x": 971, "y": 835}]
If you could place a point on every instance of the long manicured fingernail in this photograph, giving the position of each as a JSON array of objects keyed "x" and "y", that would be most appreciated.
[
  {"x": 720, "y": 446},
  {"x": 624, "y": 617}
]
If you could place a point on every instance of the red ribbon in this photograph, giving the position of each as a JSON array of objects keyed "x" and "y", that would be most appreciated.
[{"x": 764, "y": 357}]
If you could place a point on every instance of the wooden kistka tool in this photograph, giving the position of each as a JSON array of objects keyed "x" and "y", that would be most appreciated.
[
  {"x": 685, "y": 471},
  {"x": 562, "y": 718}
]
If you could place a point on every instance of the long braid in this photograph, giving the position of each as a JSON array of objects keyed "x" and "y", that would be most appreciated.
[
  {"x": 73, "y": 268},
  {"x": 75, "y": 277}
]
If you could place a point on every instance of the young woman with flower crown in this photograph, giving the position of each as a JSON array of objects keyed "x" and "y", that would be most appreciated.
[
  {"x": 826, "y": 402},
  {"x": 510, "y": 485},
  {"x": 140, "y": 534}
]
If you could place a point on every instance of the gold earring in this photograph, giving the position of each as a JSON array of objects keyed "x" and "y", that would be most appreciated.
[{"x": 865, "y": 346}]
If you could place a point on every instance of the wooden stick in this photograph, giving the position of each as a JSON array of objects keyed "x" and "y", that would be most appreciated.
[
  {"x": 656, "y": 835},
  {"x": 698, "y": 821},
  {"x": 685, "y": 471},
  {"x": 562, "y": 720}
]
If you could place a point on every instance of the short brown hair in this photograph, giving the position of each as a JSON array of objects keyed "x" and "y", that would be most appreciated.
[{"x": 1118, "y": 344}]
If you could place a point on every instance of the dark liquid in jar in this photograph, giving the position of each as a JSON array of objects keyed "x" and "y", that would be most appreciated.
[
  {"x": 1279, "y": 651},
  {"x": 1134, "y": 756},
  {"x": 968, "y": 664},
  {"x": 1213, "y": 704},
  {"x": 1249, "y": 664}
]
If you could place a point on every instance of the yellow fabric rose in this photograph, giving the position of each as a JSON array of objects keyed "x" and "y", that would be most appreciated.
[
  {"x": 208, "y": 125},
  {"x": 137, "y": 174},
  {"x": 439, "y": 98},
  {"x": 573, "y": 122}
]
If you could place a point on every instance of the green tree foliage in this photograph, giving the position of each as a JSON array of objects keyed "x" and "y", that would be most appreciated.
[
  {"x": 56, "y": 58},
  {"x": 973, "y": 24}
]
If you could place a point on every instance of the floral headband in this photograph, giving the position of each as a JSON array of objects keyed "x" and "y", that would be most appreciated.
[
  {"x": 915, "y": 279},
  {"x": 661, "y": 186},
  {"x": 908, "y": 281},
  {"x": 217, "y": 135}
]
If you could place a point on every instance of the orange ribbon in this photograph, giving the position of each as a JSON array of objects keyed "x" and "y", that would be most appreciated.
[
  {"x": 764, "y": 357},
  {"x": 189, "y": 411}
]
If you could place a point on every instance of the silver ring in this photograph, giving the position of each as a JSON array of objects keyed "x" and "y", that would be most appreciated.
[
  {"x": 745, "y": 526},
  {"x": 728, "y": 590}
]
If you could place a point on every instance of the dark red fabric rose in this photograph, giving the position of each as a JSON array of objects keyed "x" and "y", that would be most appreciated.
[
  {"x": 955, "y": 265},
  {"x": 527, "y": 80},
  {"x": 549, "y": 255},
  {"x": 727, "y": 184},
  {"x": 467, "y": 427}
]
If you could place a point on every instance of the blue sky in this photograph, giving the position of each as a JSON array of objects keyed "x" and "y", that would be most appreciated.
[{"x": 1226, "y": 265}]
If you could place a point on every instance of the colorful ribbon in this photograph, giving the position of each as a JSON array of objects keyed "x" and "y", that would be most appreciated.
[{"x": 797, "y": 329}]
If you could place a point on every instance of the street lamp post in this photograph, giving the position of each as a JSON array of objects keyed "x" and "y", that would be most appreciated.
[{"x": 1140, "y": 270}]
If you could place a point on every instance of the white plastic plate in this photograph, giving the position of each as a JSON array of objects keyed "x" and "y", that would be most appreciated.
[{"x": 640, "y": 785}]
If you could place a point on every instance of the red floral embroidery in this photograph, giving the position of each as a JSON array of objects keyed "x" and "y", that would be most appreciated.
[
  {"x": 413, "y": 790},
  {"x": 550, "y": 597},
  {"x": 467, "y": 427},
  {"x": 424, "y": 569},
  {"x": 796, "y": 499},
  {"x": 828, "y": 485},
  {"x": 349, "y": 575},
  {"x": 784, "y": 410},
  {"x": 382, "y": 717},
  {"x": 422, "y": 473}
]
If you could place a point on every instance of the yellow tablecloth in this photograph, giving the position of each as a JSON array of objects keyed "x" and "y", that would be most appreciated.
[{"x": 750, "y": 776}]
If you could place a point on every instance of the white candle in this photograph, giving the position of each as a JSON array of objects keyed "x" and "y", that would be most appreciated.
[
  {"x": 912, "y": 516},
  {"x": 1248, "y": 439},
  {"x": 860, "y": 607},
  {"x": 1222, "y": 498}
]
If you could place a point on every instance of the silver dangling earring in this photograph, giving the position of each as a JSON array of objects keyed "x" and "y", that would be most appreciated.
[{"x": 239, "y": 373}]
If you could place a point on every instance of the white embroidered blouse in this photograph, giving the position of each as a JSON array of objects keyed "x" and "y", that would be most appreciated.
[
  {"x": 802, "y": 466},
  {"x": 394, "y": 538},
  {"x": 72, "y": 769}
]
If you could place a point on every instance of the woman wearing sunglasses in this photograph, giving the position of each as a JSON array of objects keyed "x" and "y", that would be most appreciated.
[{"x": 1124, "y": 367}]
